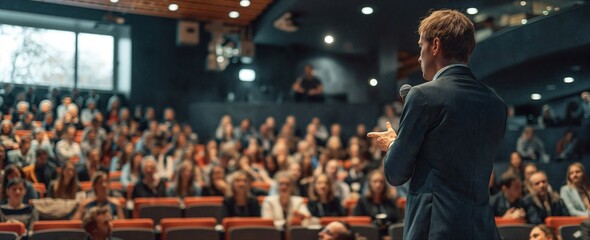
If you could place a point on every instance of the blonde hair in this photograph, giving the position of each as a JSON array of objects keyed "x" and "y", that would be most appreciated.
[
  {"x": 455, "y": 31},
  {"x": 585, "y": 182}
]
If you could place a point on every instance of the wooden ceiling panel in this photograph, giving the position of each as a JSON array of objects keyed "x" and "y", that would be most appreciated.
[{"x": 201, "y": 10}]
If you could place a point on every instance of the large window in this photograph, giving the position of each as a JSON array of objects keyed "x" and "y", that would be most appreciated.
[{"x": 48, "y": 57}]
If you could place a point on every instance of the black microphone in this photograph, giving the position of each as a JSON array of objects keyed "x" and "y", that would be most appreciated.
[{"x": 404, "y": 90}]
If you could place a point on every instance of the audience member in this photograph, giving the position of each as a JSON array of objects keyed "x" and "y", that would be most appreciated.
[
  {"x": 377, "y": 203},
  {"x": 92, "y": 165},
  {"x": 516, "y": 167},
  {"x": 26, "y": 123},
  {"x": 530, "y": 147},
  {"x": 389, "y": 115},
  {"x": 66, "y": 186},
  {"x": 508, "y": 203},
  {"x": 45, "y": 107},
  {"x": 217, "y": 185},
  {"x": 184, "y": 182},
  {"x": 541, "y": 203},
  {"x": 13, "y": 171},
  {"x": 150, "y": 184},
  {"x": 542, "y": 232},
  {"x": 568, "y": 147},
  {"x": 7, "y": 137},
  {"x": 131, "y": 171},
  {"x": 529, "y": 170},
  {"x": 16, "y": 208},
  {"x": 338, "y": 230},
  {"x": 284, "y": 208},
  {"x": 547, "y": 118},
  {"x": 101, "y": 192},
  {"x": 22, "y": 156},
  {"x": 42, "y": 171},
  {"x": 308, "y": 88},
  {"x": 322, "y": 202},
  {"x": 576, "y": 193},
  {"x": 67, "y": 149},
  {"x": 239, "y": 201},
  {"x": 98, "y": 223}
]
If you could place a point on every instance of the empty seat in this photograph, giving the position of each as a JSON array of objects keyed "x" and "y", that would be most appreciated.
[
  {"x": 157, "y": 208},
  {"x": 133, "y": 229},
  {"x": 556, "y": 222},
  {"x": 396, "y": 231},
  {"x": 232, "y": 222},
  {"x": 205, "y": 210},
  {"x": 253, "y": 233},
  {"x": 56, "y": 224},
  {"x": 515, "y": 232},
  {"x": 11, "y": 231},
  {"x": 570, "y": 232},
  {"x": 298, "y": 232},
  {"x": 115, "y": 176},
  {"x": 188, "y": 228}
]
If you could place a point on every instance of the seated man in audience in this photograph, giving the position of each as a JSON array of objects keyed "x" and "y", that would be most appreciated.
[
  {"x": 100, "y": 197},
  {"x": 531, "y": 147},
  {"x": 98, "y": 223},
  {"x": 149, "y": 185},
  {"x": 22, "y": 156},
  {"x": 338, "y": 230},
  {"x": 42, "y": 171},
  {"x": 541, "y": 203},
  {"x": 66, "y": 149},
  {"x": 508, "y": 203}
]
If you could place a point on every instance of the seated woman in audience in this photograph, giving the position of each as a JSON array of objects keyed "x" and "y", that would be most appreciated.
[
  {"x": 516, "y": 167},
  {"x": 542, "y": 232},
  {"x": 377, "y": 203},
  {"x": 131, "y": 170},
  {"x": 217, "y": 185},
  {"x": 322, "y": 202},
  {"x": 67, "y": 185},
  {"x": 100, "y": 188},
  {"x": 15, "y": 209},
  {"x": 7, "y": 137},
  {"x": 12, "y": 171},
  {"x": 239, "y": 201},
  {"x": 92, "y": 164},
  {"x": 123, "y": 157},
  {"x": 576, "y": 193},
  {"x": 150, "y": 185},
  {"x": 184, "y": 183},
  {"x": 285, "y": 208}
]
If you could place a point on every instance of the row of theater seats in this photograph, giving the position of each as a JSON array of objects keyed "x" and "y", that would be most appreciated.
[
  {"x": 566, "y": 227},
  {"x": 186, "y": 228}
]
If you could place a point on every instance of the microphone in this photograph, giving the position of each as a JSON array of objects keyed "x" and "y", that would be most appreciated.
[{"x": 404, "y": 90}]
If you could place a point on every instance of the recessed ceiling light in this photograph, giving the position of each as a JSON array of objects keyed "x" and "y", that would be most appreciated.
[
  {"x": 173, "y": 7},
  {"x": 247, "y": 75},
  {"x": 114, "y": 1},
  {"x": 524, "y": 21},
  {"x": 220, "y": 59},
  {"x": 245, "y": 3},
  {"x": 523, "y": 3},
  {"x": 545, "y": 13},
  {"x": 472, "y": 11},
  {"x": 234, "y": 14},
  {"x": 536, "y": 96},
  {"x": 373, "y": 82},
  {"x": 367, "y": 10},
  {"x": 329, "y": 39},
  {"x": 568, "y": 79}
]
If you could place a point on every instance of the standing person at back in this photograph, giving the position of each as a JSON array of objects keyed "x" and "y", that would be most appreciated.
[
  {"x": 308, "y": 88},
  {"x": 450, "y": 130}
]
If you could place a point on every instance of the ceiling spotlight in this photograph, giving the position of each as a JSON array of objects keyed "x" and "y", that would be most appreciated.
[
  {"x": 234, "y": 14},
  {"x": 245, "y": 3},
  {"x": 373, "y": 82},
  {"x": 568, "y": 79},
  {"x": 173, "y": 7},
  {"x": 329, "y": 39},
  {"x": 523, "y": 21},
  {"x": 545, "y": 13},
  {"x": 114, "y": 1},
  {"x": 523, "y": 3},
  {"x": 536, "y": 96},
  {"x": 367, "y": 10},
  {"x": 472, "y": 11},
  {"x": 220, "y": 59}
]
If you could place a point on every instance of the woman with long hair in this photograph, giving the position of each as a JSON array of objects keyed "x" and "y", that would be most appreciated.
[
  {"x": 239, "y": 202},
  {"x": 13, "y": 171},
  {"x": 322, "y": 202},
  {"x": 576, "y": 193},
  {"x": 284, "y": 208},
  {"x": 131, "y": 171},
  {"x": 217, "y": 185},
  {"x": 123, "y": 157},
  {"x": 184, "y": 182},
  {"x": 377, "y": 203},
  {"x": 66, "y": 185},
  {"x": 101, "y": 189}
]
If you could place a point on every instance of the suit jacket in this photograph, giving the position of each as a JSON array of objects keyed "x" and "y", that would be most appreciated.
[
  {"x": 573, "y": 201},
  {"x": 500, "y": 204},
  {"x": 450, "y": 131},
  {"x": 536, "y": 212}
]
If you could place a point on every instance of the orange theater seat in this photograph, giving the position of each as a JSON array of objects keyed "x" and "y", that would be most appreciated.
[
  {"x": 21, "y": 133},
  {"x": 167, "y": 223},
  {"x": 115, "y": 176},
  {"x": 133, "y": 223},
  {"x": 352, "y": 220},
  {"x": 556, "y": 222},
  {"x": 86, "y": 185},
  {"x": 40, "y": 188},
  {"x": 230, "y": 222},
  {"x": 261, "y": 185},
  {"x": 57, "y": 224},
  {"x": 509, "y": 221},
  {"x": 15, "y": 227},
  {"x": 118, "y": 186},
  {"x": 165, "y": 201},
  {"x": 203, "y": 200}
]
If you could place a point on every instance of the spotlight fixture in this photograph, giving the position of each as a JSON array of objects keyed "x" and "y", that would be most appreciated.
[
  {"x": 472, "y": 11},
  {"x": 536, "y": 96},
  {"x": 234, "y": 14},
  {"x": 114, "y": 1},
  {"x": 367, "y": 10},
  {"x": 373, "y": 82},
  {"x": 568, "y": 79},
  {"x": 524, "y": 21},
  {"x": 245, "y": 3},
  {"x": 523, "y": 3},
  {"x": 329, "y": 39},
  {"x": 173, "y": 7}
]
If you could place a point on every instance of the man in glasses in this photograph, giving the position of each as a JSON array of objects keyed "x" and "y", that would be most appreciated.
[
  {"x": 98, "y": 223},
  {"x": 337, "y": 230}
]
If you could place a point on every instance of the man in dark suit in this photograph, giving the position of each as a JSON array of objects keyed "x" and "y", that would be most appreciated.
[{"x": 450, "y": 130}]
